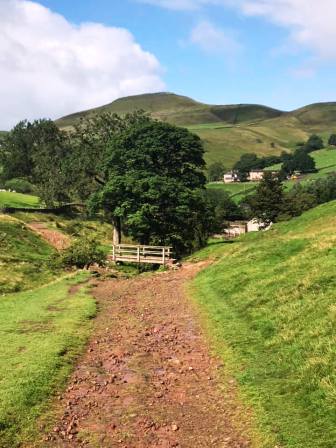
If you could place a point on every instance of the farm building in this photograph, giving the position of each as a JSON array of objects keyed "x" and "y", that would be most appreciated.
[
  {"x": 230, "y": 177},
  {"x": 256, "y": 175}
]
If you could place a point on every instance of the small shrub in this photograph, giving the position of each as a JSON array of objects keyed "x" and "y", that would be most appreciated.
[{"x": 83, "y": 253}]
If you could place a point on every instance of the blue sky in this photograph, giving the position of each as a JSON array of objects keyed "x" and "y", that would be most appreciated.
[{"x": 274, "y": 52}]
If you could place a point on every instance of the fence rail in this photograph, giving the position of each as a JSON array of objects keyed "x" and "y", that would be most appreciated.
[{"x": 142, "y": 254}]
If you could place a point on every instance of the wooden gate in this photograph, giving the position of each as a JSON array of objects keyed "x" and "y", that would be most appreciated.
[{"x": 142, "y": 254}]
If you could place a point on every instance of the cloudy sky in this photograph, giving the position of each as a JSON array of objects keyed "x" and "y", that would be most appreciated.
[{"x": 61, "y": 56}]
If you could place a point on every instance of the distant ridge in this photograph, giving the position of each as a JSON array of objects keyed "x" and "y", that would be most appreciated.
[
  {"x": 178, "y": 109},
  {"x": 227, "y": 130}
]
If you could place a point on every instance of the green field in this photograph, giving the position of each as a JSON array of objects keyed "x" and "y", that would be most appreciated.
[
  {"x": 228, "y": 131},
  {"x": 23, "y": 257},
  {"x": 325, "y": 163},
  {"x": 41, "y": 333},
  {"x": 269, "y": 305},
  {"x": 18, "y": 200}
]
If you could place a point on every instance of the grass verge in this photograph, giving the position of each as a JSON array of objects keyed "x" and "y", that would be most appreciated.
[
  {"x": 270, "y": 307},
  {"x": 42, "y": 331},
  {"x": 23, "y": 257}
]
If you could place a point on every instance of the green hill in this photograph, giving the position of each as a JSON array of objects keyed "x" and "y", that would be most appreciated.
[
  {"x": 227, "y": 131},
  {"x": 23, "y": 257},
  {"x": 270, "y": 305},
  {"x": 179, "y": 110}
]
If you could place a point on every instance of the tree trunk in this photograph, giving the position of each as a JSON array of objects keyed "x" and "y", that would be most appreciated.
[{"x": 116, "y": 230}]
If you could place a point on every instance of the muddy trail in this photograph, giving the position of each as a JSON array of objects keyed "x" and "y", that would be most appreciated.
[
  {"x": 55, "y": 238},
  {"x": 147, "y": 379}
]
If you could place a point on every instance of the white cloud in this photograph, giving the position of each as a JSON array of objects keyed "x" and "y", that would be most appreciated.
[
  {"x": 50, "y": 67},
  {"x": 212, "y": 39},
  {"x": 311, "y": 23}
]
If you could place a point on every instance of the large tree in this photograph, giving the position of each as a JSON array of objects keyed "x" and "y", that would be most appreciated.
[
  {"x": 268, "y": 201},
  {"x": 147, "y": 176},
  {"x": 314, "y": 143},
  {"x": 299, "y": 161}
]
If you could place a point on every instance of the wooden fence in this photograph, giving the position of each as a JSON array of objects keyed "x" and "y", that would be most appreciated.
[{"x": 142, "y": 254}]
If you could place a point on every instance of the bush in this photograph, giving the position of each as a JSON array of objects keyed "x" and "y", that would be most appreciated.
[
  {"x": 83, "y": 253},
  {"x": 19, "y": 185}
]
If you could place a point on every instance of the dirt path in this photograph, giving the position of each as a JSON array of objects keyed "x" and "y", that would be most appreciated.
[
  {"x": 147, "y": 379},
  {"x": 55, "y": 238}
]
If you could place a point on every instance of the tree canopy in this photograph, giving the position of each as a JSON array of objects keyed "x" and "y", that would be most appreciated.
[
  {"x": 300, "y": 161},
  {"x": 216, "y": 171},
  {"x": 154, "y": 185},
  {"x": 332, "y": 140},
  {"x": 39, "y": 153},
  {"x": 268, "y": 201}
]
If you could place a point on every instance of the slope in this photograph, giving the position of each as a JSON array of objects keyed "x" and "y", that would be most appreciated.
[
  {"x": 269, "y": 303},
  {"x": 227, "y": 131},
  {"x": 23, "y": 257}
]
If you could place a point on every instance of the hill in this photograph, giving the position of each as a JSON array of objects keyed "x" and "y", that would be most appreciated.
[
  {"x": 227, "y": 131},
  {"x": 269, "y": 302},
  {"x": 179, "y": 110}
]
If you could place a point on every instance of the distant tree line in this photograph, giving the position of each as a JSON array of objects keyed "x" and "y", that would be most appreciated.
[{"x": 271, "y": 202}]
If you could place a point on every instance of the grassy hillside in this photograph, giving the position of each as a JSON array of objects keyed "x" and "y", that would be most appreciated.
[
  {"x": 23, "y": 257},
  {"x": 179, "y": 110},
  {"x": 325, "y": 160},
  {"x": 41, "y": 333},
  {"x": 269, "y": 303},
  {"x": 18, "y": 200},
  {"x": 228, "y": 131}
]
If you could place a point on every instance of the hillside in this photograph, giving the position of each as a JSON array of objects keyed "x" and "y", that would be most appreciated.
[
  {"x": 269, "y": 302},
  {"x": 227, "y": 131},
  {"x": 178, "y": 110},
  {"x": 23, "y": 257},
  {"x": 325, "y": 160}
]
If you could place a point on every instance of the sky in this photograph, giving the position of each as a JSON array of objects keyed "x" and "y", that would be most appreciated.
[{"x": 59, "y": 56}]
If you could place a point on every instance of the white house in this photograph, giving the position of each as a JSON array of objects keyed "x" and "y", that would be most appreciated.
[{"x": 230, "y": 177}]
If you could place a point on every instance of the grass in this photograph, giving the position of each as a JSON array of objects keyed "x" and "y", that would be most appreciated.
[
  {"x": 269, "y": 302},
  {"x": 228, "y": 131},
  {"x": 325, "y": 160},
  {"x": 23, "y": 257},
  {"x": 42, "y": 331},
  {"x": 235, "y": 190},
  {"x": 18, "y": 200}
]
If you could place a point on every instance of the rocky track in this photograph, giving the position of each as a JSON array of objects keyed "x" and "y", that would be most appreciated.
[{"x": 147, "y": 379}]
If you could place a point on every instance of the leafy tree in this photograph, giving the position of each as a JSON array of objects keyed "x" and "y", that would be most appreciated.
[
  {"x": 332, "y": 140},
  {"x": 297, "y": 201},
  {"x": 245, "y": 164},
  {"x": 150, "y": 182},
  {"x": 314, "y": 143},
  {"x": 39, "y": 153},
  {"x": 268, "y": 201},
  {"x": 299, "y": 161},
  {"x": 216, "y": 171},
  {"x": 20, "y": 186},
  {"x": 224, "y": 209}
]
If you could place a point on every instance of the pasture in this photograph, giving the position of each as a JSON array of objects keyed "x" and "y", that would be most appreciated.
[
  {"x": 8, "y": 199},
  {"x": 270, "y": 312}
]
